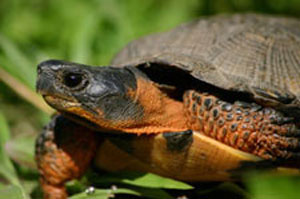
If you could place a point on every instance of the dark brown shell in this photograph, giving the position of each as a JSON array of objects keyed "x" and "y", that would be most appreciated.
[{"x": 249, "y": 53}]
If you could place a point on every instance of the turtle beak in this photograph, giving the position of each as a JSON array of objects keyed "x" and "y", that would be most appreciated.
[
  {"x": 45, "y": 79},
  {"x": 54, "y": 77}
]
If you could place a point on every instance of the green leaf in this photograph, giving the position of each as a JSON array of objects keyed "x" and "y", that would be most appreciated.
[
  {"x": 11, "y": 192},
  {"x": 137, "y": 191},
  {"x": 267, "y": 186},
  {"x": 155, "y": 181},
  {"x": 23, "y": 67},
  {"x": 4, "y": 135},
  {"x": 21, "y": 149},
  {"x": 6, "y": 167},
  {"x": 153, "y": 193},
  {"x": 143, "y": 180},
  {"x": 104, "y": 193},
  {"x": 82, "y": 40}
]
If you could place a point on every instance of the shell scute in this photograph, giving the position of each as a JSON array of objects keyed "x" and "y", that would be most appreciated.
[{"x": 251, "y": 53}]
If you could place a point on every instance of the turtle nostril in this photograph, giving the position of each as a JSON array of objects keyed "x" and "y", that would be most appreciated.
[{"x": 72, "y": 79}]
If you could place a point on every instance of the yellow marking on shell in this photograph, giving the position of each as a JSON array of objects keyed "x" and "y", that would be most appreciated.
[{"x": 205, "y": 159}]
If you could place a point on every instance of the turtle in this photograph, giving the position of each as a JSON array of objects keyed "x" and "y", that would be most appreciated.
[{"x": 196, "y": 103}]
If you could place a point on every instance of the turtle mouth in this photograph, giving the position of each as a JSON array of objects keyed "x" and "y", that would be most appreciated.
[
  {"x": 60, "y": 103},
  {"x": 63, "y": 104}
]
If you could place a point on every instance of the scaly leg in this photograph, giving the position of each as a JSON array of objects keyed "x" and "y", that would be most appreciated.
[
  {"x": 64, "y": 151},
  {"x": 264, "y": 132}
]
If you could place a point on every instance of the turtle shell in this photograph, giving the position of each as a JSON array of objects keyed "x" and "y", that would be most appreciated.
[{"x": 255, "y": 54}]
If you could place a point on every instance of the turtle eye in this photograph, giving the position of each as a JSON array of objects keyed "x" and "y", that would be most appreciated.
[{"x": 72, "y": 79}]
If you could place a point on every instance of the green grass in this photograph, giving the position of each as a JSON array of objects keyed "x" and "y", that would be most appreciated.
[{"x": 92, "y": 32}]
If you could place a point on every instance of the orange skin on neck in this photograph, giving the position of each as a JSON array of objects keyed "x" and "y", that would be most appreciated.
[{"x": 161, "y": 113}]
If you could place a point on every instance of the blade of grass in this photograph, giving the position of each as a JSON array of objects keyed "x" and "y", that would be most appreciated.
[
  {"x": 268, "y": 186},
  {"x": 81, "y": 42},
  {"x": 11, "y": 192},
  {"x": 153, "y": 193},
  {"x": 24, "y": 91},
  {"x": 21, "y": 149},
  {"x": 155, "y": 181},
  {"x": 147, "y": 180},
  {"x": 22, "y": 68},
  {"x": 104, "y": 194},
  {"x": 7, "y": 169},
  {"x": 137, "y": 191}
]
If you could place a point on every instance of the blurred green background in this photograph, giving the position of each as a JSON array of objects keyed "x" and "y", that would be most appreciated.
[{"x": 92, "y": 32}]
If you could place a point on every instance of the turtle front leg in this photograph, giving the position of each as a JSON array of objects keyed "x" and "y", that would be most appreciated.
[{"x": 63, "y": 152}]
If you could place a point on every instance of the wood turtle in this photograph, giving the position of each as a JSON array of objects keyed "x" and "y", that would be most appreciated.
[{"x": 194, "y": 104}]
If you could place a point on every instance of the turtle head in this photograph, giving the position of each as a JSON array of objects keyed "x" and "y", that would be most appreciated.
[
  {"x": 106, "y": 98},
  {"x": 93, "y": 93}
]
